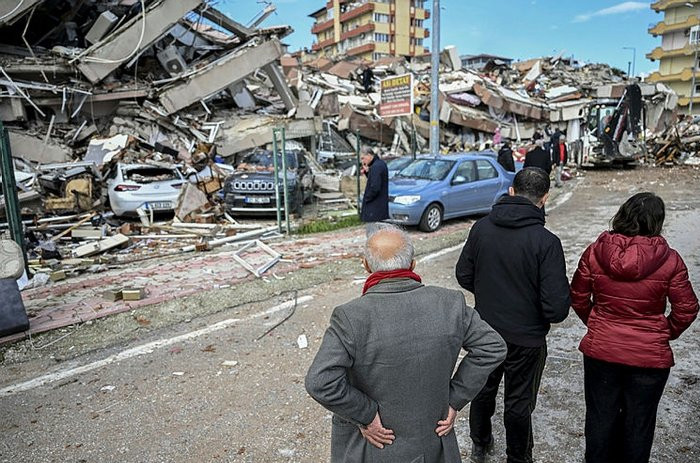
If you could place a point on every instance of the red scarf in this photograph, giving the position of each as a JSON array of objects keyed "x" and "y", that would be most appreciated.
[{"x": 376, "y": 277}]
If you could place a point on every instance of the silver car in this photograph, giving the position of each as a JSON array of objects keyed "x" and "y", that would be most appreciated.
[{"x": 130, "y": 186}]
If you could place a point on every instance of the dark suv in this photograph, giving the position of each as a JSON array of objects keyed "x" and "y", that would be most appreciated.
[{"x": 251, "y": 189}]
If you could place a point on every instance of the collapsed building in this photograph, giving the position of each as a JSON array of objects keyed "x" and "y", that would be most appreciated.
[{"x": 130, "y": 96}]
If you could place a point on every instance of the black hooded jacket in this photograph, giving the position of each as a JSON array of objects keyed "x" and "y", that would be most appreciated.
[{"x": 515, "y": 267}]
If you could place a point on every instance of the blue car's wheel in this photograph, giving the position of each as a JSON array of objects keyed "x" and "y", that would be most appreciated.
[{"x": 431, "y": 219}]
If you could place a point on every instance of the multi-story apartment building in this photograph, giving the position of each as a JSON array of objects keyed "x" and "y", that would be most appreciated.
[
  {"x": 370, "y": 29},
  {"x": 676, "y": 53}
]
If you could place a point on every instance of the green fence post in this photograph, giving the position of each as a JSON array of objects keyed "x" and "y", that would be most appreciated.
[
  {"x": 284, "y": 180},
  {"x": 9, "y": 191},
  {"x": 275, "y": 152}
]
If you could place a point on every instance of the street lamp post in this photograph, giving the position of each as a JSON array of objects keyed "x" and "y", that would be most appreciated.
[
  {"x": 435, "y": 82},
  {"x": 634, "y": 60}
]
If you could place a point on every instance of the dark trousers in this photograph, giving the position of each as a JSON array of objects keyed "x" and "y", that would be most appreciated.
[
  {"x": 621, "y": 404},
  {"x": 522, "y": 369}
]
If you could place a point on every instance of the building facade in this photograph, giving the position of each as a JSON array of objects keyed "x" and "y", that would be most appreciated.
[
  {"x": 676, "y": 53},
  {"x": 370, "y": 30}
]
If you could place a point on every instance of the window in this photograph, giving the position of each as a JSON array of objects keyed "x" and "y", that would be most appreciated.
[
  {"x": 381, "y": 37},
  {"x": 486, "y": 170},
  {"x": 381, "y": 18},
  {"x": 465, "y": 173}
]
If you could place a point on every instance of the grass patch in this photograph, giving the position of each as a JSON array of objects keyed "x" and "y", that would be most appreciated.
[{"x": 321, "y": 226}]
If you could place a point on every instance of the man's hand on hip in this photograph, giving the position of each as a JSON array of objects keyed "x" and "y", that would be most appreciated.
[
  {"x": 446, "y": 425},
  {"x": 376, "y": 434}
]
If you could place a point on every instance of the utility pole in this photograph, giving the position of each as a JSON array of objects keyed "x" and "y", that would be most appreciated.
[
  {"x": 693, "y": 40},
  {"x": 435, "y": 82}
]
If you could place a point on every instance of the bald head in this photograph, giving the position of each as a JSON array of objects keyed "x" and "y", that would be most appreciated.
[{"x": 388, "y": 248}]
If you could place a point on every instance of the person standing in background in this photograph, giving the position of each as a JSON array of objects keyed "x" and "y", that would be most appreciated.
[
  {"x": 375, "y": 201},
  {"x": 560, "y": 156}
]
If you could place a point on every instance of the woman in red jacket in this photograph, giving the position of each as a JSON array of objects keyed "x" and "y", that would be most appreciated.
[{"x": 620, "y": 290}]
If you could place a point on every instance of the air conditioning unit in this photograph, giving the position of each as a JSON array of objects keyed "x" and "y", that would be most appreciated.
[
  {"x": 171, "y": 59},
  {"x": 694, "y": 35}
]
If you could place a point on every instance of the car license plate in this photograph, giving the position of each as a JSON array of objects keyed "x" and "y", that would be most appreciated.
[
  {"x": 159, "y": 205},
  {"x": 257, "y": 200}
]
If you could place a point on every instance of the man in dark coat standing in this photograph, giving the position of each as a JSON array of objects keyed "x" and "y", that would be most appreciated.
[
  {"x": 538, "y": 157},
  {"x": 505, "y": 157},
  {"x": 516, "y": 270},
  {"x": 375, "y": 202},
  {"x": 386, "y": 366}
]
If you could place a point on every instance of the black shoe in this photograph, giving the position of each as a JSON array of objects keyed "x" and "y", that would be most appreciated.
[{"x": 479, "y": 452}]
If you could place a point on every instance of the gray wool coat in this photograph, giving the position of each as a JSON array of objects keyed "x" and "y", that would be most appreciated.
[{"x": 394, "y": 350}]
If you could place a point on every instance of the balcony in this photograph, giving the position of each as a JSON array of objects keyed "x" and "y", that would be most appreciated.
[
  {"x": 322, "y": 26},
  {"x": 662, "y": 5},
  {"x": 357, "y": 31},
  {"x": 662, "y": 27},
  {"x": 357, "y": 12},
  {"x": 659, "y": 53},
  {"x": 362, "y": 49},
  {"x": 686, "y": 75},
  {"x": 320, "y": 45},
  {"x": 419, "y": 13}
]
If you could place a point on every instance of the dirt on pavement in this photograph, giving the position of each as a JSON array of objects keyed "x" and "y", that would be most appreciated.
[{"x": 223, "y": 396}]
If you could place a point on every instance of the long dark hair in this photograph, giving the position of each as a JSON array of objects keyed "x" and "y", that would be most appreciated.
[{"x": 643, "y": 214}]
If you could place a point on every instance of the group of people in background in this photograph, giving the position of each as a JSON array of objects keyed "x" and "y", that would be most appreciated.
[
  {"x": 386, "y": 365},
  {"x": 548, "y": 150}
]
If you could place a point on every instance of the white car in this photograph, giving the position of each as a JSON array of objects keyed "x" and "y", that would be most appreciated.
[{"x": 131, "y": 186}]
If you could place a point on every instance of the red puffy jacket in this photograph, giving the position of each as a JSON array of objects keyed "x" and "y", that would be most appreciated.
[{"x": 620, "y": 291}]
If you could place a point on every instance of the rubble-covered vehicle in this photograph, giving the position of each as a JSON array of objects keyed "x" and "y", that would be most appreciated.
[
  {"x": 151, "y": 187},
  {"x": 251, "y": 188}
]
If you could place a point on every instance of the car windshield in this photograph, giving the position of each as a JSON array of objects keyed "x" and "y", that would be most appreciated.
[
  {"x": 428, "y": 169},
  {"x": 398, "y": 163},
  {"x": 264, "y": 159},
  {"x": 150, "y": 174}
]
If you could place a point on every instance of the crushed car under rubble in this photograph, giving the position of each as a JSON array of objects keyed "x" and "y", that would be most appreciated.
[{"x": 251, "y": 189}]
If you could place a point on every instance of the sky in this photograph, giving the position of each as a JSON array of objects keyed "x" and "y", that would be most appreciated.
[{"x": 590, "y": 31}]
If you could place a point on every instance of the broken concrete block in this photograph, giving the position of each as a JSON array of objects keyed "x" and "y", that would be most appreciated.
[
  {"x": 34, "y": 149},
  {"x": 57, "y": 275},
  {"x": 112, "y": 295},
  {"x": 100, "y": 246},
  {"x": 12, "y": 10},
  {"x": 220, "y": 74},
  {"x": 106, "y": 56},
  {"x": 133, "y": 294},
  {"x": 190, "y": 200}
]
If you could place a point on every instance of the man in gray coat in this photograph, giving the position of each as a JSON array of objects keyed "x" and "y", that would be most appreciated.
[{"x": 385, "y": 366}]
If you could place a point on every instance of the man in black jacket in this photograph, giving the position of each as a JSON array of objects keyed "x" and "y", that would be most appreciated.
[
  {"x": 516, "y": 270},
  {"x": 375, "y": 202},
  {"x": 505, "y": 157},
  {"x": 538, "y": 157}
]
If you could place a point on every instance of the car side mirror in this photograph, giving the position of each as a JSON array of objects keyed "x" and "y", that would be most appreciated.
[{"x": 459, "y": 179}]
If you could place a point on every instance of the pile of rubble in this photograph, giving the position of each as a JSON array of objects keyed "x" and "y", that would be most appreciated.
[
  {"x": 679, "y": 144},
  {"x": 516, "y": 99},
  {"x": 107, "y": 100},
  {"x": 108, "y": 96}
]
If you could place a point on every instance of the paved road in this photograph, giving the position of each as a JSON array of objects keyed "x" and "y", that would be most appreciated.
[{"x": 206, "y": 390}]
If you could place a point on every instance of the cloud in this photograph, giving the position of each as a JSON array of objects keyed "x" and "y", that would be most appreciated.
[{"x": 624, "y": 7}]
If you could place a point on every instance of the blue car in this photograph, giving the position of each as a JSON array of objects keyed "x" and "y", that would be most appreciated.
[{"x": 431, "y": 190}]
